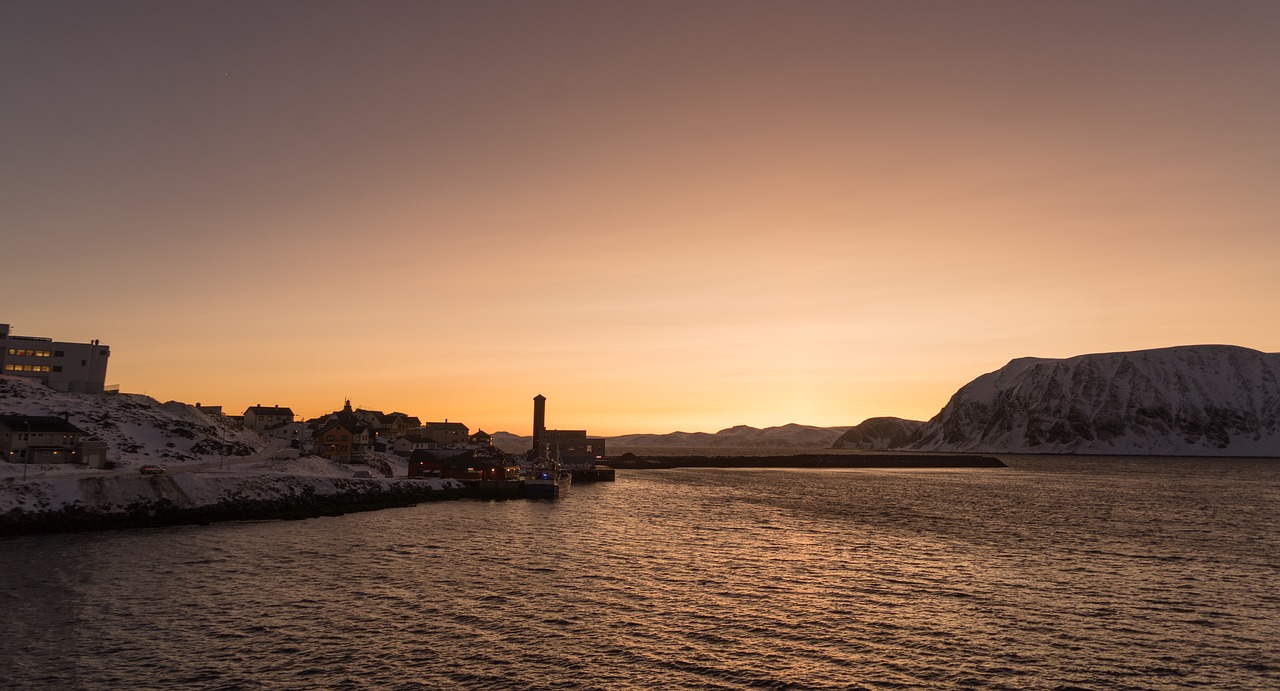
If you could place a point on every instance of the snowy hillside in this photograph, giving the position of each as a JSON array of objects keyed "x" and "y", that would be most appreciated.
[
  {"x": 252, "y": 480},
  {"x": 1187, "y": 400},
  {"x": 137, "y": 429}
]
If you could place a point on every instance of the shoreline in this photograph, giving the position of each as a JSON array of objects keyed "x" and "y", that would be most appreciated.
[
  {"x": 129, "y": 501},
  {"x": 806, "y": 460},
  {"x": 295, "y": 499}
]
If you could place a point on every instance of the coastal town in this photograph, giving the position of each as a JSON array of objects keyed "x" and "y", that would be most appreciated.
[
  {"x": 63, "y": 432},
  {"x": 348, "y": 435}
]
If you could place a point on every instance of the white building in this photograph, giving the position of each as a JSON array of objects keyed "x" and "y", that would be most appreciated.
[{"x": 77, "y": 367}]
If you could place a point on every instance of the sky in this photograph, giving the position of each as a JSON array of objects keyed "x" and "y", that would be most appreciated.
[{"x": 660, "y": 215}]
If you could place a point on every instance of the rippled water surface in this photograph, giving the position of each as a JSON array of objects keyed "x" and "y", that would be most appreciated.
[{"x": 1099, "y": 573}]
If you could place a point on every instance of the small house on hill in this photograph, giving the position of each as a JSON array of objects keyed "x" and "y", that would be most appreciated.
[
  {"x": 397, "y": 424},
  {"x": 444, "y": 432},
  {"x": 406, "y": 445},
  {"x": 259, "y": 417},
  {"x": 340, "y": 440},
  {"x": 41, "y": 439}
]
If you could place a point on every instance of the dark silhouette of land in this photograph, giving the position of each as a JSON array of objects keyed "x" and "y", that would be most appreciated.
[{"x": 629, "y": 461}]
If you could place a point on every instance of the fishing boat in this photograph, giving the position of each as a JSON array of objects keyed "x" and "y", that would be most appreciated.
[{"x": 547, "y": 479}]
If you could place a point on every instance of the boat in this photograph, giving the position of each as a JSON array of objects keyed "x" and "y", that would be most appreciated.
[{"x": 547, "y": 479}]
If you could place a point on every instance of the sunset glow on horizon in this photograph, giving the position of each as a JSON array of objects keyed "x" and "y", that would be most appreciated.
[{"x": 661, "y": 216}]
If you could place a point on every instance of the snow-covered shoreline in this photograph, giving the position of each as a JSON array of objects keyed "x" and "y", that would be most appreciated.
[
  {"x": 53, "y": 504},
  {"x": 202, "y": 482}
]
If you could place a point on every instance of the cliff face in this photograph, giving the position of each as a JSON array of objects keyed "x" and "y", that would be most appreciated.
[
  {"x": 1187, "y": 400},
  {"x": 880, "y": 433}
]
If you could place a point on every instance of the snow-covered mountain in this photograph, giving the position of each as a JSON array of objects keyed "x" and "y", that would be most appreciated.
[{"x": 1188, "y": 400}]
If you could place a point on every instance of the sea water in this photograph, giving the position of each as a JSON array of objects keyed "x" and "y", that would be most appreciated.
[{"x": 1054, "y": 572}]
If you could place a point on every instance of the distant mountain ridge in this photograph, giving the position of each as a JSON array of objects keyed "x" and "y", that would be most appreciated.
[
  {"x": 784, "y": 436},
  {"x": 791, "y": 436},
  {"x": 1187, "y": 400}
]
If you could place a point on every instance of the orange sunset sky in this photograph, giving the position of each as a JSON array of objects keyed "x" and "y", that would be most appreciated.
[{"x": 661, "y": 215}]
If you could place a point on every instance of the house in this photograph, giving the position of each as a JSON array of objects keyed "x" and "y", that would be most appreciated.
[
  {"x": 481, "y": 438},
  {"x": 61, "y": 366},
  {"x": 42, "y": 439},
  {"x": 469, "y": 465},
  {"x": 288, "y": 431},
  {"x": 260, "y": 417},
  {"x": 339, "y": 441},
  {"x": 429, "y": 462},
  {"x": 444, "y": 432},
  {"x": 406, "y": 445},
  {"x": 396, "y": 424},
  {"x": 343, "y": 436}
]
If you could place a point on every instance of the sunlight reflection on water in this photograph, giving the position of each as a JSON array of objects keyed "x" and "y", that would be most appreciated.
[{"x": 1052, "y": 572}]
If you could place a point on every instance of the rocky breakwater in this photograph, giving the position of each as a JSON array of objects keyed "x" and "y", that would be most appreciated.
[{"x": 126, "y": 501}]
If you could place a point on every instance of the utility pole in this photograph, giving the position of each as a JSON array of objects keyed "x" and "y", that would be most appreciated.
[{"x": 26, "y": 453}]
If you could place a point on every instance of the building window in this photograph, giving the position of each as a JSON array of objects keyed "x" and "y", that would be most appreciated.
[
  {"x": 26, "y": 368},
  {"x": 57, "y": 353},
  {"x": 57, "y": 368}
]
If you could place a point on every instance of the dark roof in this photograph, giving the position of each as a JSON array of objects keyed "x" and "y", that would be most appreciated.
[
  {"x": 389, "y": 417},
  {"x": 351, "y": 426},
  {"x": 268, "y": 410},
  {"x": 38, "y": 423},
  {"x": 446, "y": 425}
]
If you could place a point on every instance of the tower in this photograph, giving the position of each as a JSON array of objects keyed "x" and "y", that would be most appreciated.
[{"x": 539, "y": 423}]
